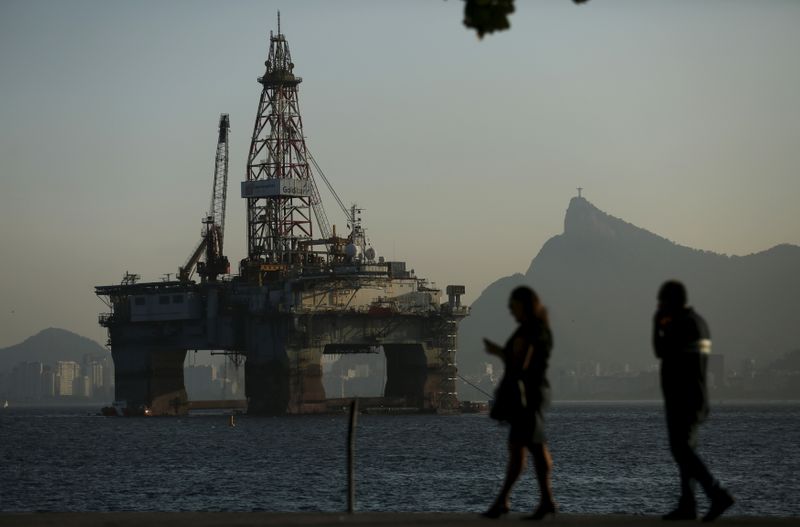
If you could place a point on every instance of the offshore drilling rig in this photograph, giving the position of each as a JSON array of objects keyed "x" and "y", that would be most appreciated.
[{"x": 298, "y": 294}]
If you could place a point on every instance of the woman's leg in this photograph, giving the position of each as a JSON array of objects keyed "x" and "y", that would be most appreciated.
[
  {"x": 516, "y": 462},
  {"x": 543, "y": 465}
]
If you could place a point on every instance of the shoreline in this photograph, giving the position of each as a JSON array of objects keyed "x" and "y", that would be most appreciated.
[
  {"x": 384, "y": 519},
  {"x": 714, "y": 401}
]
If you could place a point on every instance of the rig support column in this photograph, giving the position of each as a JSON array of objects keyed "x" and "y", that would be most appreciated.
[
  {"x": 151, "y": 378},
  {"x": 306, "y": 392}
]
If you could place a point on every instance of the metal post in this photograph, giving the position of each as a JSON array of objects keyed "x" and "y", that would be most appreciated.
[{"x": 351, "y": 455}]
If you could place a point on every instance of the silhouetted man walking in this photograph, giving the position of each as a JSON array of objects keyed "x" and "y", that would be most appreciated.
[{"x": 682, "y": 341}]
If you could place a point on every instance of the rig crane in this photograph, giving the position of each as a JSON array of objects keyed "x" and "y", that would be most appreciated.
[{"x": 210, "y": 244}]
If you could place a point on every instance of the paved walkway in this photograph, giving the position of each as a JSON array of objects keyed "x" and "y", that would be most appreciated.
[{"x": 251, "y": 519}]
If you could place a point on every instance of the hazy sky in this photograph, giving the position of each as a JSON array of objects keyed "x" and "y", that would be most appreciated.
[{"x": 679, "y": 116}]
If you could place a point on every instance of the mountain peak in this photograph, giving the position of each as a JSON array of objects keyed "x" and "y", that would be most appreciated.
[
  {"x": 49, "y": 346},
  {"x": 584, "y": 219},
  {"x": 599, "y": 279},
  {"x": 50, "y": 336}
]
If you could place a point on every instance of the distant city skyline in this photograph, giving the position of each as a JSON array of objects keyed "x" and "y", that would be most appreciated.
[
  {"x": 33, "y": 382},
  {"x": 92, "y": 379},
  {"x": 680, "y": 117}
]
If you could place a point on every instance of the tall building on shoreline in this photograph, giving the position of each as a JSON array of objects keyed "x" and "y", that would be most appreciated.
[{"x": 66, "y": 374}]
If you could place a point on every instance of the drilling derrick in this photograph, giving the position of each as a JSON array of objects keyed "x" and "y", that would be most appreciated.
[{"x": 279, "y": 186}]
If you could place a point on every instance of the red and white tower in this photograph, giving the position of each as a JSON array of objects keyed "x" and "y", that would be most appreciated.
[{"x": 279, "y": 188}]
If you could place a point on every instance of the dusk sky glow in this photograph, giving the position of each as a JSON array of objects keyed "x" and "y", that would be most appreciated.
[{"x": 681, "y": 117}]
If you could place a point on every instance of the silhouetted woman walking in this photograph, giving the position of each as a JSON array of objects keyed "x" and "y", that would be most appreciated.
[{"x": 521, "y": 398}]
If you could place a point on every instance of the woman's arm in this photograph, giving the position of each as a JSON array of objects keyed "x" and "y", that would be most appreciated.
[
  {"x": 492, "y": 348},
  {"x": 528, "y": 357},
  {"x": 523, "y": 352}
]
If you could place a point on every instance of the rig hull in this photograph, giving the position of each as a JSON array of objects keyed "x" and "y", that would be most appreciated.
[{"x": 282, "y": 330}]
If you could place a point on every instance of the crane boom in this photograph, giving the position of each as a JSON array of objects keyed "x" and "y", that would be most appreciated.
[
  {"x": 220, "y": 189},
  {"x": 214, "y": 222},
  {"x": 187, "y": 270}
]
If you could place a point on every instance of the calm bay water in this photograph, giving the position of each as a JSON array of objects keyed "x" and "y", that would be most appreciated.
[{"x": 609, "y": 458}]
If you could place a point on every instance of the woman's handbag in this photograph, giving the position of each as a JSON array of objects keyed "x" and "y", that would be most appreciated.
[{"x": 509, "y": 399}]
